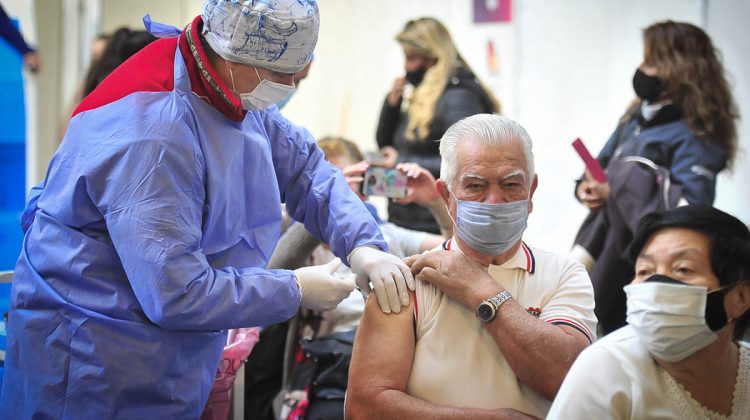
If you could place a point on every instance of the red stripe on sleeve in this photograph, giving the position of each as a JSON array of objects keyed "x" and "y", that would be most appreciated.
[
  {"x": 416, "y": 307},
  {"x": 573, "y": 323}
]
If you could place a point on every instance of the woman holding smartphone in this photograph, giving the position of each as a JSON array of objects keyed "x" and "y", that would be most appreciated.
[
  {"x": 681, "y": 131},
  {"x": 445, "y": 90}
]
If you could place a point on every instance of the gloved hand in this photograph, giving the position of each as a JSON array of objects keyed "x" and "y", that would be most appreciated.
[
  {"x": 321, "y": 287},
  {"x": 389, "y": 276}
]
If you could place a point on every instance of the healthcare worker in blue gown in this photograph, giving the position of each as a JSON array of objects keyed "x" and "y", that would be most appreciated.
[{"x": 149, "y": 236}]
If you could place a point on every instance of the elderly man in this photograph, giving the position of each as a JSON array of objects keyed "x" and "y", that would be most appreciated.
[
  {"x": 495, "y": 324},
  {"x": 150, "y": 235}
]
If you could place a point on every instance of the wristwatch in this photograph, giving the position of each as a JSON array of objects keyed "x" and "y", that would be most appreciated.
[{"x": 487, "y": 310}]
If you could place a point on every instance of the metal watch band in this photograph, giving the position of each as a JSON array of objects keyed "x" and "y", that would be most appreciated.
[{"x": 499, "y": 299}]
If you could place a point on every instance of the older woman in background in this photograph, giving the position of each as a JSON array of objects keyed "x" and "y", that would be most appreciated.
[{"x": 688, "y": 307}]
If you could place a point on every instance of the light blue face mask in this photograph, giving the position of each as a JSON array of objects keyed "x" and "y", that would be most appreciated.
[
  {"x": 491, "y": 229},
  {"x": 283, "y": 101}
]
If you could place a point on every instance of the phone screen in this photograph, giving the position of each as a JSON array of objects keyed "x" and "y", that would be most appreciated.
[{"x": 385, "y": 182}]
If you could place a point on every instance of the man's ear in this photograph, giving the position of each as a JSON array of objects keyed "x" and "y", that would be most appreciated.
[
  {"x": 442, "y": 188},
  {"x": 534, "y": 184}
]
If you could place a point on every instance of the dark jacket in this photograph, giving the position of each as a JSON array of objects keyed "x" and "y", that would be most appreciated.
[
  {"x": 463, "y": 97},
  {"x": 687, "y": 169},
  {"x": 666, "y": 140},
  {"x": 637, "y": 187}
]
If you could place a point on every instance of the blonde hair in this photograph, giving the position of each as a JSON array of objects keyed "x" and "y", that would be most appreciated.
[
  {"x": 334, "y": 147},
  {"x": 428, "y": 37}
]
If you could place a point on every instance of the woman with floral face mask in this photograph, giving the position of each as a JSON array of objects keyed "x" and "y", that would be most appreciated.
[
  {"x": 679, "y": 134},
  {"x": 687, "y": 308}
]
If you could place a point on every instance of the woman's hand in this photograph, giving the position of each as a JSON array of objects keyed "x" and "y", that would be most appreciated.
[
  {"x": 592, "y": 194},
  {"x": 420, "y": 186},
  {"x": 354, "y": 175},
  {"x": 396, "y": 92},
  {"x": 390, "y": 155},
  {"x": 32, "y": 61}
]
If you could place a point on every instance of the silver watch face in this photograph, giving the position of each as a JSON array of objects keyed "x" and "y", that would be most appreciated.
[{"x": 485, "y": 312}]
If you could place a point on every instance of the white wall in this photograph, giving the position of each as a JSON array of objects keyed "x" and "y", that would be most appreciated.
[
  {"x": 566, "y": 70},
  {"x": 728, "y": 27},
  {"x": 577, "y": 59},
  {"x": 566, "y": 67},
  {"x": 24, "y": 12},
  {"x": 117, "y": 13},
  {"x": 357, "y": 59}
]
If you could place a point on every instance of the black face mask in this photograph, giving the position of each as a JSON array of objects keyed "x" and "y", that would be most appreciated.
[
  {"x": 716, "y": 316},
  {"x": 415, "y": 77},
  {"x": 647, "y": 87}
]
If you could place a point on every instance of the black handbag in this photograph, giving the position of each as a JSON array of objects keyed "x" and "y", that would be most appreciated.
[{"x": 318, "y": 379}]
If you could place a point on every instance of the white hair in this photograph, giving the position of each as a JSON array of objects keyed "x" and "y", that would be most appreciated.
[{"x": 487, "y": 129}]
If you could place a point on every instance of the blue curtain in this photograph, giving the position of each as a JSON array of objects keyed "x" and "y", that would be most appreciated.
[{"x": 12, "y": 155}]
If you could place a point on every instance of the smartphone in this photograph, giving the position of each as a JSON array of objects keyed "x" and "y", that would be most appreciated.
[{"x": 386, "y": 182}]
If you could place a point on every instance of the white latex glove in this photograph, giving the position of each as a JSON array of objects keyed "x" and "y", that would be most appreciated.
[
  {"x": 390, "y": 277},
  {"x": 321, "y": 287}
]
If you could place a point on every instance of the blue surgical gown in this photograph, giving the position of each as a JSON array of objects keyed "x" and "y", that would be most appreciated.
[{"x": 147, "y": 240}]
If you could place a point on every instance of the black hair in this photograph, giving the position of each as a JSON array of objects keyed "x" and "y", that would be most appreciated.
[
  {"x": 121, "y": 45},
  {"x": 729, "y": 242}
]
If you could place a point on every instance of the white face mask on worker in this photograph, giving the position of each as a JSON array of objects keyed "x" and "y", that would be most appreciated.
[{"x": 264, "y": 95}]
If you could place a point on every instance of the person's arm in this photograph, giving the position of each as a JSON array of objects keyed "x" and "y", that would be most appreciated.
[
  {"x": 440, "y": 212},
  {"x": 596, "y": 387},
  {"x": 420, "y": 189},
  {"x": 293, "y": 249},
  {"x": 588, "y": 191},
  {"x": 390, "y": 115},
  {"x": 692, "y": 170},
  {"x": 316, "y": 193},
  {"x": 9, "y": 32},
  {"x": 153, "y": 202},
  {"x": 516, "y": 332},
  {"x": 593, "y": 194},
  {"x": 380, "y": 368},
  {"x": 29, "y": 212},
  {"x": 614, "y": 141},
  {"x": 408, "y": 241}
]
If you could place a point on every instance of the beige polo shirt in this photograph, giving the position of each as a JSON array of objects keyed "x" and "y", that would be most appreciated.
[{"x": 457, "y": 362}]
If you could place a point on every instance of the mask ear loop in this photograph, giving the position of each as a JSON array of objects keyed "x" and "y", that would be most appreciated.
[
  {"x": 231, "y": 76},
  {"x": 448, "y": 209},
  {"x": 722, "y": 288},
  {"x": 260, "y": 80}
]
